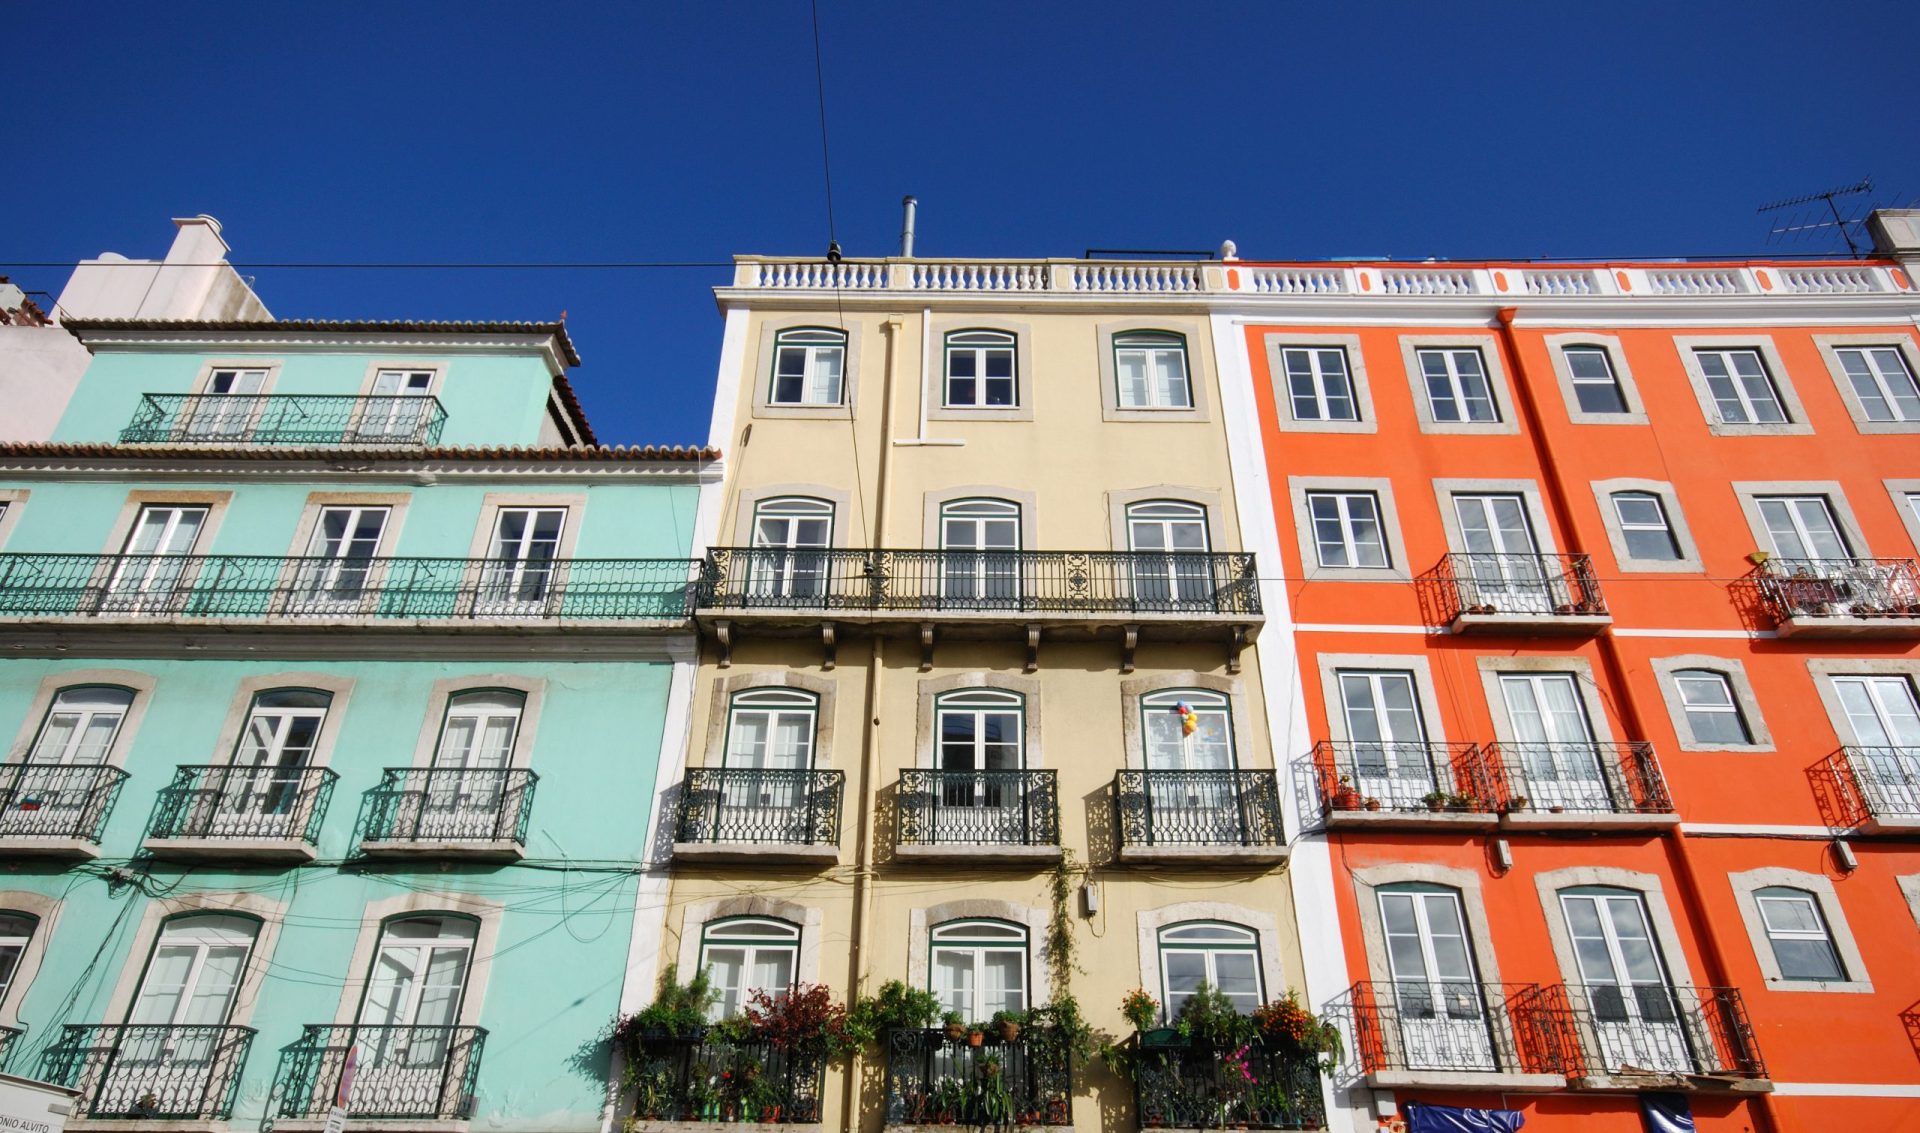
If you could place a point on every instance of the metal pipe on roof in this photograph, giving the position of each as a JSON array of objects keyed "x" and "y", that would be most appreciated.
[{"x": 906, "y": 229}]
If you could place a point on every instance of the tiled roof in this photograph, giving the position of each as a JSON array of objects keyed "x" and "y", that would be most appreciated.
[
  {"x": 615, "y": 454},
  {"x": 339, "y": 326}
]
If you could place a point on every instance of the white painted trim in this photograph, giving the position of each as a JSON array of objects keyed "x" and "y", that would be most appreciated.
[
  {"x": 1736, "y": 634},
  {"x": 1845, "y": 1090},
  {"x": 1357, "y": 627},
  {"x": 1754, "y": 830}
]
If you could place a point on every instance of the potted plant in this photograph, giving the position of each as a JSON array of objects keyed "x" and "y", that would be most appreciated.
[
  {"x": 956, "y": 1026},
  {"x": 894, "y": 1007},
  {"x": 996, "y": 1102},
  {"x": 1140, "y": 1009},
  {"x": 976, "y": 1036},
  {"x": 1435, "y": 800},
  {"x": 1468, "y": 801},
  {"x": 1371, "y": 803},
  {"x": 1344, "y": 795},
  {"x": 1517, "y": 802},
  {"x": 678, "y": 1012},
  {"x": 1007, "y": 1025}
]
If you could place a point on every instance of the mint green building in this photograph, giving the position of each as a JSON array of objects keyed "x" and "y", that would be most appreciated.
[{"x": 337, "y": 661}]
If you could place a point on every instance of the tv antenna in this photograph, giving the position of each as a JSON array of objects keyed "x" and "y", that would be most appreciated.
[{"x": 1808, "y": 222}]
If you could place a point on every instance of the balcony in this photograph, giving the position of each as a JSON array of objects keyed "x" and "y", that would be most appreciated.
[
  {"x": 1581, "y": 786},
  {"x": 1489, "y": 593},
  {"x": 303, "y": 420},
  {"x": 1462, "y": 1035},
  {"x": 56, "y": 809},
  {"x": 748, "y": 814},
  {"x": 1875, "y": 790},
  {"x": 1183, "y": 1085},
  {"x": 1636, "y": 1036},
  {"x": 310, "y": 591},
  {"x": 245, "y": 813},
  {"x": 413, "y": 1073},
  {"x": 708, "y": 1078},
  {"x": 935, "y": 1080},
  {"x": 449, "y": 812},
  {"x": 134, "y": 1071},
  {"x": 1841, "y": 597},
  {"x": 978, "y": 817},
  {"x": 8, "y": 1036},
  {"x": 1410, "y": 786},
  {"x": 1199, "y": 816}
]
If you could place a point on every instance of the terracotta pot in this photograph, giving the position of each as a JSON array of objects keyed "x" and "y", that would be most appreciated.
[{"x": 975, "y": 1038}]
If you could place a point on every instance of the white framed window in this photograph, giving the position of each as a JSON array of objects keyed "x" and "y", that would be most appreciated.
[
  {"x": 771, "y": 729},
  {"x": 1169, "y": 542},
  {"x": 480, "y": 730},
  {"x": 1798, "y": 934},
  {"x": 809, "y": 367},
  {"x": 981, "y": 538},
  {"x": 412, "y": 1002},
  {"x": 229, "y": 404},
  {"x": 283, "y": 727},
  {"x": 1224, "y": 957},
  {"x": 1151, "y": 368},
  {"x": 790, "y": 537},
  {"x": 980, "y": 729},
  {"x": 153, "y": 561},
  {"x": 1712, "y": 711},
  {"x": 395, "y": 405},
  {"x": 1458, "y": 390},
  {"x": 1595, "y": 388},
  {"x": 1644, "y": 528},
  {"x": 16, "y": 932},
  {"x": 979, "y": 967},
  {"x": 191, "y": 978},
  {"x": 1347, "y": 530},
  {"x": 81, "y": 725},
  {"x": 521, "y": 559},
  {"x": 1881, "y": 381},
  {"x": 1803, "y": 528},
  {"x": 1743, "y": 391},
  {"x": 340, "y": 554},
  {"x": 981, "y": 370},
  {"x": 1319, "y": 383},
  {"x": 742, "y": 955},
  {"x": 1172, "y": 746}
]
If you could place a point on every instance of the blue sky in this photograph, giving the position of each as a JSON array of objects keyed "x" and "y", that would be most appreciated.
[{"x": 601, "y": 131}]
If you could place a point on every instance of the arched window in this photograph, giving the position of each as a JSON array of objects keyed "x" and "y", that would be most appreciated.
[
  {"x": 1225, "y": 957},
  {"x": 1644, "y": 527},
  {"x": 1436, "y": 984},
  {"x": 1151, "y": 367},
  {"x": 283, "y": 728},
  {"x": 1168, "y": 540},
  {"x": 1187, "y": 730},
  {"x": 480, "y": 729},
  {"x": 980, "y": 539},
  {"x": 419, "y": 974},
  {"x": 790, "y": 536},
  {"x": 771, "y": 729},
  {"x": 1713, "y": 713},
  {"x": 979, "y": 729},
  {"x": 1802, "y": 943},
  {"x": 980, "y": 967},
  {"x": 193, "y": 973},
  {"x": 980, "y": 370},
  {"x": 742, "y": 955},
  {"x": 81, "y": 725},
  {"x": 809, "y": 365},
  {"x": 16, "y": 932}
]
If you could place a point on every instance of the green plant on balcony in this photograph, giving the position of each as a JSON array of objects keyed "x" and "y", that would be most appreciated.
[
  {"x": 894, "y": 1007},
  {"x": 804, "y": 1020},
  {"x": 1140, "y": 1009},
  {"x": 678, "y": 1011},
  {"x": 996, "y": 1101}
]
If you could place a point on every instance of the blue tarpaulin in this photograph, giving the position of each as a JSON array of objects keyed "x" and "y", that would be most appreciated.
[
  {"x": 1423, "y": 1118},
  {"x": 1666, "y": 1113}
]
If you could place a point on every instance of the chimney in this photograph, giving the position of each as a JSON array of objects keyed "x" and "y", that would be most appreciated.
[
  {"x": 1896, "y": 233},
  {"x": 906, "y": 230}
]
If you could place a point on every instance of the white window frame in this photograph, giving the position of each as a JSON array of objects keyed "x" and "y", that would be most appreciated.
[
  {"x": 981, "y": 343},
  {"x": 1730, "y": 670},
  {"x": 17, "y": 930},
  {"x": 1279, "y": 382},
  {"x": 85, "y": 715},
  {"x": 1320, "y": 377},
  {"x": 1236, "y": 939},
  {"x": 1346, "y": 513},
  {"x": 980, "y": 947},
  {"x": 1722, "y": 703},
  {"x": 1629, "y": 526},
  {"x": 1635, "y": 411},
  {"x": 1748, "y": 887},
  {"x": 1151, "y": 345},
  {"x": 814, "y": 344},
  {"x": 1832, "y": 346},
  {"x": 715, "y": 935},
  {"x": 1751, "y": 492},
  {"x": 1689, "y": 348},
  {"x": 1300, "y": 489},
  {"x": 1689, "y": 561},
  {"x": 775, "y": 702}
]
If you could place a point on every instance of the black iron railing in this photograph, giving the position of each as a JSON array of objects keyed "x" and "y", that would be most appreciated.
[
  {"x": 933, "y": 1079},
  {"x": 735, "y": 804},
  {"x": 1874, "y": 782},
  {"x": 8, "y": 1036},
  {"x": 1528, "y": 585},
  {"x": 259, "y": 587},
  {"x": 1179, "y": 1083},
  {"x": 1881, "y": 589},
  {"x": 1590, "y": 777},
  {"x": 57, "y": 800},
  {"x": 265, "y": 803},
  {"x": 1197, "y": 808},
  {"x": 284, "y": 419},
  {"x": 141, "y": 1071},
  {"x": 1395, "y": 775},
  {"x": 450, "y": 804},
  {"x": 996, "y": 808},
  {"x": 399, "y": 1072},
  {"x": 1459, "y": 1026},
  {"x": 707, "y": 1078},
  {"x": 1662, "y": 1029},
  {"x": 1088, "y": 582}
]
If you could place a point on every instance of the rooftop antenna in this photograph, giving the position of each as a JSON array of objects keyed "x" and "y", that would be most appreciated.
[{"x": 1805, "y": 224}]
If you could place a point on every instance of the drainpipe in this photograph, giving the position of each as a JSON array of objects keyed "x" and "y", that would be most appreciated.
[{"x": 1712, "y": 953}]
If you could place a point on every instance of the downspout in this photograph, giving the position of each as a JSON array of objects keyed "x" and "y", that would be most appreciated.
[{"x": 1712, "y": 954}]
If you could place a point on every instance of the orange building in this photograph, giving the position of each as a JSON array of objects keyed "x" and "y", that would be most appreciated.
[{"x": 1607, "y": 721}]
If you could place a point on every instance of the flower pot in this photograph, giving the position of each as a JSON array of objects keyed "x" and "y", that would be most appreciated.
[
  {"x": 1009, "y": 1032},
  {"x": 1373, "y": 804},
  {"x": 976, "y": 1038},
  {"x": 956, "y": 1032},
  {"x": 1435, "y": 805}
]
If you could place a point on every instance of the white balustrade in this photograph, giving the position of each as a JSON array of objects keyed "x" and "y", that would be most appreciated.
[
  {"x": 1427, "y": 281},
  {"x": 1827, "y": 280},
  {"x": 1697, "y": 281},
  {"x": 1558, "y": 282},
  {"x": 1298, "y": 281},
  {"x": 815, "y": 275},
  {"x": 978, "y": 277},
  {"x": 1136, "y": 277}
]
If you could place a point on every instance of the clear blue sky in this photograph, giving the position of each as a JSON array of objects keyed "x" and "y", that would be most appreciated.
[{"x": 600, "y": 131}]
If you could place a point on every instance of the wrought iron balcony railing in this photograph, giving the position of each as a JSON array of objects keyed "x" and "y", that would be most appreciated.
[
  {"x": 1371, "y": 776},
  {"x": 1591, "y": 777},
  {"x": 8, "y": 1036},
  {"x": 706, "y": 1078},
  {"x": 1661, "y": 1029},
  {"x": 987, "y": 808},
  {"x": 742, "y": 804},
  {"x": 57, "y": 800},
  {"x": 133, "y": 1070},
  {"x": 284, "y": 419},
  {"x": 284, "y": 804},
  {"x": 932, "y": 1079},
  {"x": 400, "y": 1072},
  {"x": 1184, "y": 1085},
  {"x": 1872, "y": 784},
  {"x": 1197, "y": 808},
  {"x": 1881, "y": 590},
  {"x": 1062, "y": 582},
  {"x": 1525, "y": 586},
  {"x": 481, "y": 805},
  {"x": 260, "y": 587},
  {"x": 1462, "y": 1027}
]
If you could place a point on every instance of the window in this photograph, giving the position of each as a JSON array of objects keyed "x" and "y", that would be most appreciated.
[
  {"x": 980, "y": 370},
  {"x": 979, "y": 731},
  {"x": 1644, "y": 527},
  {"x": 16, "y": 930},
  {"x": 1225, "y": 957},
  {"x": 809, "y": 367},
  {"x": 1552, "y": 760},
  {"x": 1457, "y": 386},
  {"x": 1347, "y": 531},
  {"x": 790, "y": 536},
  {"x": 1319, "y": 385},
  {"x": 1435, "y": 982},
  {"x": 981, "y": 541},
  {"x": 480, "y": 729},
  {"x": 1713, "y": 714},
  {"x": 412, "y": 1002},
  {"x": 1594, "y": 386},
  {"x": 1882, "y": 382},
  {"x": 1802, "y": 945},
  {"x": 81, "y": 725},
  {"x": 1172, "y": 746},
  {"x": 153, "y": 560},
  {"x": 1151, "y": 367},
  {"x": 1743, "y": 392},
  {"x": 1623, "y": 981},
  {"x": 1388, "y": 738},
  {"x": 979, "y": 967},
  {"x": 228, "y": 404},
  {"x": 396, "y": 406},
  {"x": 185, "y": 997},
  {"x": 771, "y": 729},
  {"x": 742, "y": 955},
  {"x": 1169, "y": 544},
  {"x": 521, "y": 559},
  {"x": 340, "y": 556},
  {"x": 1803, "y": 528},
  {"x": 1501, "y": 565}
]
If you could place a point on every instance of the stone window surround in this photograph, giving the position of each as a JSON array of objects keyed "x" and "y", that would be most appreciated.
[
  {"x": 1824, "y": 669},
  {"x": 1465, "y": 883},
  {"x": 936, "y": 394},
  {"x": 1264, "y": 925},
  {"x": 1689, "y": 560},
  {"x": 395, "y": 503},
  {"x": 1279, "y": 341},
  {"x": 13, "y": 501},
  {"x": 45, "y": 911},
  {"x": 438, "y": 366},
  {"x": 1444, "y": 489},
  {"x": 1498, "y": 386},
  {"x": 1910, "y": 889},
  {"x": 574, "y": 503},
  {"x": 1492, "y": 668},
  {"x": 438, "y": 701},
  {"x": 1820, "y": 887},
  {"x": 762, "y": 377},
  {"x": 940, "y": 497},
  {"x": 259, "y": 907},
  {"x": 207, "y": 367},
  {"x": 141, "y": 684},
  {"x": 721, "y": 711},
  {"x": 1208, "y": 500},
  {"x": 1132, "y": 689},
  {"x": 215, "y": 502},
  {"x": 1829, "y": 346},
  {"x": 1748, "y": 492},
  {"x": 1796, "y": 422},
  {"x": 700, "y": 914},
  {"x": 1899, "y": 490},
  {"x": 1666, "y": 935},
  {"x": 380, "y": 913},
  {"x": 240, "y": 708},
  {"x": 1033, "y": 918},
  {"x": 1193, "y": 333},
  {"x": 930, "y": 691},
  {"x": 1381, "y": 488},
  {"x": 1331, "y": 665},
  {"x": 1636, "y": 412},
  {"x": 1744, "y": 699},
  {"x": 747, "y": 502}
]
